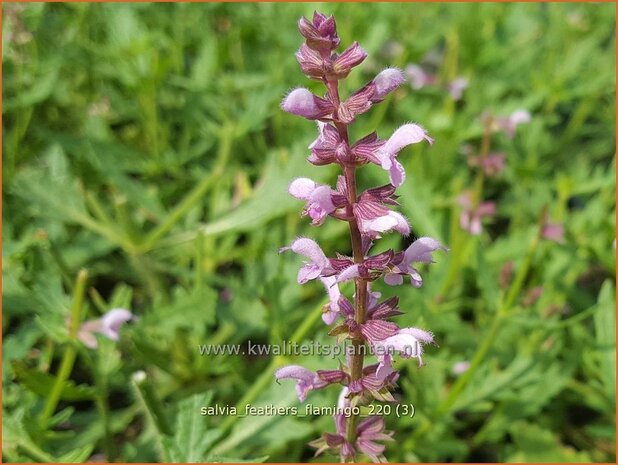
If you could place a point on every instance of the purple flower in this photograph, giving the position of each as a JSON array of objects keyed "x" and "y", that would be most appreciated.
[
  {"x": 318, "y": 264},
  {"x": 302, "y": 102},
  {"x": 418, "y": 252},
  {"x": 382, "y": 310},
  {"x": 372, "y": 227},
  {"x": 331, "y": 309},
  {"x": 325, "y": 148},
  {"x": 318, "y": 198},
  {"x": 402, "y": 137},
  {"x": 108, "y": 325},
  {"x": 509, "y": 123},
  {"x": 378, "y": 330},
  {"x": 492, "y": 164},
  {"x": 351, "y": 57},
  {"x": 470, "y": 218},
  {"x": 456, "y": 87},
  {"x": 387, "y": 81},
  {"x": 408, "y": 342},
  {"x": 369, "y": 431},
  {"x": 368, "y": 215},
  {"x": 553, "y": 232},
  {"x": 321, "y": 33},
  {"x": 460, "y": 367},
  {"x": 311, "y": 62},
  {"x": 305, "y": 380},
  {"x": 374, "y": 218},
  {"x": 418, "y": 77},
  {"x": 373, "y": 92}
]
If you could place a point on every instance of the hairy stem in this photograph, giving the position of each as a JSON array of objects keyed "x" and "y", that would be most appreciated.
[{"x": 360, "y": 300}]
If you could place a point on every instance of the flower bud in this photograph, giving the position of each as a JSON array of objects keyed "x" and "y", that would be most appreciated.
[
  {"x": 351, "y": 57},
  {"x": 302, "y": 102},
  {"x": 386, "y": 82},
  {"x": 321, "y": 33},
  {"x": 311, "y": 63}
]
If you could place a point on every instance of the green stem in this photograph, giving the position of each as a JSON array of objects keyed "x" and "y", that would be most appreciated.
[
  {"x": 152, "y": 403},
  {"x": 68, "y": 358},
  {"x": 499, "y": 317},
  {"x": 35, "y": 453},
  {"x": 196, "y": 193},
  {"x": 103, "y": 408}
]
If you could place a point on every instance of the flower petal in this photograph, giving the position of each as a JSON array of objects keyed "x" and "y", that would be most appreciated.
[
  {"x": 420, "y": 250},
  {"x": 393, "y": 279},
  {"x": 113, "y": 320},
  {"x": 308, "y": 272},
  {"x": 350, "y": 272},
  {"x": 310, "y": 249},
  {"x": 405, "y": 135},
  {"x": 302, "y": 188},
  {"x": 420, "y": 334},
  {"x": 397, "y": 174},
  {"x": 330, "y": 283},
  {"x": 387, "y": 81},
  {"x": 385, "y": 367},
  {"x": 294, "y": 372},
  {"x": 380, "y": 224}
]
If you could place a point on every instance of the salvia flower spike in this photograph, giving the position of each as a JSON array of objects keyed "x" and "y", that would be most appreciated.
[{"x": 362, "y": 321}]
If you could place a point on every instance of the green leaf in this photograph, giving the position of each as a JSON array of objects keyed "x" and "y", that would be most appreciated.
[
  {"x": 192, "y": 438},
  {"x": 533, "y": 443},
  {"x": 77, "y": 455},
  {"x": 605, "y": 330},
  {"x": 260, "y": 208},
  {"x": 41, "y": 384},
  {"x": 15, "y": 436}
]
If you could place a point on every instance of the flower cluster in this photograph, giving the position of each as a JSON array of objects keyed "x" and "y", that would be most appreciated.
[
  {"x": 487, "y": 164},
  {"x": 364, "y": 320}
]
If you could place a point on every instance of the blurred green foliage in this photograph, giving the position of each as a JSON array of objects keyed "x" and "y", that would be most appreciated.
[{"x": 144, "y": 143}]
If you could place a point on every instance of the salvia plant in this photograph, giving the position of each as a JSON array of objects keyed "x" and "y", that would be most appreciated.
[{"x": 362, "y": 322}]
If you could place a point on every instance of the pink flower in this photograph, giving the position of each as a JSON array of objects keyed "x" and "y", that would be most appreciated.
[
  {"x": 331, "y": 309},
  {"x": 374, "y": 218},
  {"x": 318, "y": 197},
  {"x": 553, "y": 232},
  {"x": 370, "y": 430},
  {"x": 302, "y": 102},
  {"x": 402, "y": 137},
  {"x": 460, "y": 367},
  {"x": 351, "y": 57},
  {"x": 492, "y": 164},
  {"x": 408, "y": 342},
  {"x": 420, "y": 251},
  {"x": 321, "y": 33},
  {"x": 418, "y": 77},
  {"x": 470, "y": 218},
  {"x": 509, "y": 123},
  {"x": 305, "y": 380},
  {"x": 108, "y": 325},
  {"x": 456, "y": 87},
  {"x": 318, "y": 264},
  {"x": 325, "y": 148},
  {"x": 373, "y": 92},
  {"x": 387, "y": 81},
  {"x": 311, "y": 62}
]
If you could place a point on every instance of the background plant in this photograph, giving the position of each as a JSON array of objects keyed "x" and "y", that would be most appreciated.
[{"x": 145, "y": 144}]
